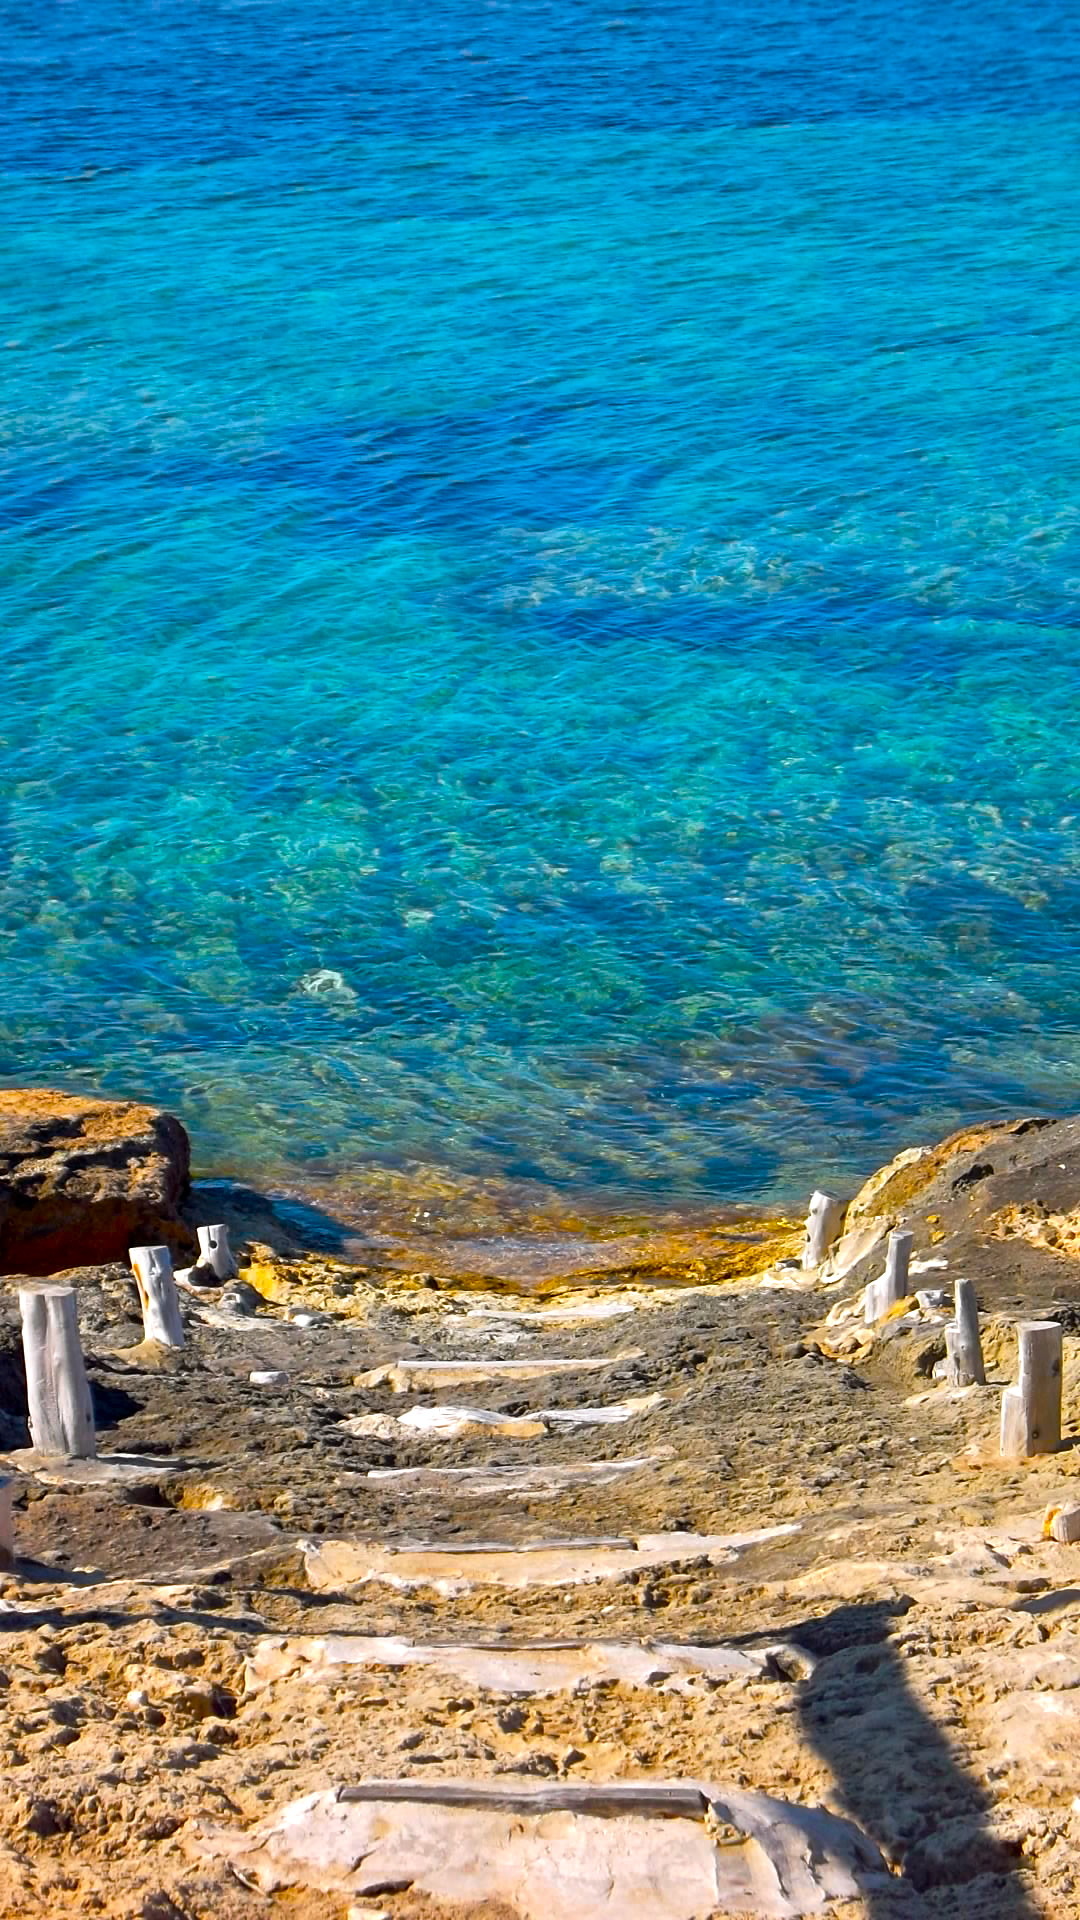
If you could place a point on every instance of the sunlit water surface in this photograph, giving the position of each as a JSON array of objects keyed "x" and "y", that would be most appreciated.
[{"x": 539, "y": 581}]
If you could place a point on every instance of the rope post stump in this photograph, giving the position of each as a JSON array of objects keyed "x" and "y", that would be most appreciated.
[
  {"x": 160, "y": 1302},
  {"x": 57, "y": 1390},
  {"x": 963, "y": 1345},
  {"x": 1031, "y": 1411},
  {"x": 214, "y": 1252},
  {"x": 7, "y": 1521},
  {"x": 823, "y": 1221},
  {"x": 884, "y": 1294}
]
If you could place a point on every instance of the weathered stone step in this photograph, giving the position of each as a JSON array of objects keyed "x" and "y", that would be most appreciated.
[
  {"x": 533, "y": 1481},
  {"x": 425, "y": 1376},
  {"x": 534, "y": 1667},
  {"x": 448, "y": 1422},
  {"x": 567, "y": 1314},
  {"x": 338, "y": 1566},
  {"x": 659, "y": 1850}
]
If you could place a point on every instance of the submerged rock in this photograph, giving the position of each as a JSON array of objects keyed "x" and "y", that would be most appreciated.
[{"x": 82, "y": 1180}]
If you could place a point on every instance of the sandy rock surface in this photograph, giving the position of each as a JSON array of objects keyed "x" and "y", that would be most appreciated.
[{"x": 793, "y": 1573}]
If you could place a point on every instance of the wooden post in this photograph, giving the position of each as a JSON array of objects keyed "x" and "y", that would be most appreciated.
[
  {"x": 158, "y": 1297},
  {"x": 823, "y": 1222},
  {"x": 1031, "y": 1411},
  {"x": 897, "y": 1262},
  {"x": 883, "y": 1295},
  {"x": 214, "y": 1252},
  {"x": 963, "y": 1346},
  {"x": 57, "y": 1390},
  {"x": 7, "y": 1522}
]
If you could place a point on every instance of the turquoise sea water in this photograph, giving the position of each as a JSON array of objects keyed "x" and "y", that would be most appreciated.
[{"x": 539, "y": 579}]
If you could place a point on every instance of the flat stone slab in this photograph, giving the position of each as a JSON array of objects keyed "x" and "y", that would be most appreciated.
[
  {"x": 534, "y": 1481},
  {"x": 447, "y": 1422},
  {"x": 656, "y": 1850},
  {"x": 336, "y": 1566},
  {"x": 426, "y": 1376},
  {"x": 587, "y": 1310},
  {"x": 611, "y": 1416},
  {"x": 543, "y": 1668},
  {"x": 444, "y": 1423},
  {"x": 106, "y": 1470}
]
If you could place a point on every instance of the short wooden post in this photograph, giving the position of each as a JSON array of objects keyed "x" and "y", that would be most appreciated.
[
  {"x": 7, "y": 1521},
  {"x": 214, "y": 1252},
  {"x": 1031, "y": 1411},
  {"x": 897, "y": 1262},
  {"x": 963, "y": 1345},
  {"x": 158, "y": 1297},
  {"x": 823, "y": 1222},
  {"x": 892, "y": 1287},
  {"x": 57, "y": 1390}
]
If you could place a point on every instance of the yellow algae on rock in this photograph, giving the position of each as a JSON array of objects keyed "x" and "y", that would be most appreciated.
[
  {"x": 1049, "y": 1517},
  {"x": 873, "y": 1196},
  {"x": 664, "y": 1258},
  {"x": 1057, "y": 1232},
  {"x": 203, "y": 1497},
  {"x": 266, "y": 1280},
  {"x": 308, "y": 1281},
  {"x": 896, "y": 1186}
]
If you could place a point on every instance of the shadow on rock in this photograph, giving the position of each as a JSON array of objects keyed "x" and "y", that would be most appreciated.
[
  {"x": 284, "y": 1221},
  {"x": 111, "y": 1405},
  {"x": 895, "y": 1769}
]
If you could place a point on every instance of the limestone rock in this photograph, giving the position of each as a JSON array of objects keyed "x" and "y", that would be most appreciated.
[
  {"x": 449, "y": 1423},
  {"x": 426, "y": 1376},
  {"x": 518, "y": 1670},
  {"x": 1038, "y": 1734},
  {"x": 651, "y": 1849},
  {"x": 543, "y": 1482},
  {"x": 82, "y": 1180},
  {"x": 876, "y": 1197},
  {"x": 920, "y": 1171},
  {"x": 341, "y": 1566},
  {"x": 1063, "y": 1523}
]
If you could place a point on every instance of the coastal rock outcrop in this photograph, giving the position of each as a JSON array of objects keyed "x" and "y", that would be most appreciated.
[{"x": 81, "y": 1179}]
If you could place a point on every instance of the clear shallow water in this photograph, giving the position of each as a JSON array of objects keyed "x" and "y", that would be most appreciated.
[{"x": 539, "y": 581}]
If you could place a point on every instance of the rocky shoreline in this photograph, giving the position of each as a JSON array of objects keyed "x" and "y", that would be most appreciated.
[{"x": 664, "y": 1586}]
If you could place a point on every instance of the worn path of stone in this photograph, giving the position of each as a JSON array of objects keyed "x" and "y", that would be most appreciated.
[{"x": 734, "y": 1612}]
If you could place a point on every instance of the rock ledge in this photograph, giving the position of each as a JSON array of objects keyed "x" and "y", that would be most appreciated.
[{"x": 82, "y": 1179}]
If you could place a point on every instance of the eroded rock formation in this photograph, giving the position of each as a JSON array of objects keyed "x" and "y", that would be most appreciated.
[{"x": 82, "y": 1180}]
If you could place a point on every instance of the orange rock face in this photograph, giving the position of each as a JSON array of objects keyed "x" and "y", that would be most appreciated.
[{"x": 82, "y": 1180}]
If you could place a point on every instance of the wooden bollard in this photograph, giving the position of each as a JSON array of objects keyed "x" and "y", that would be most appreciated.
[
  {"x": 963, "y": 1345},
  {"x": 884, "y": 1294},
  {"x": 57, "y": 1390},
  {"x": 7, "y": 1521},
  {"x": 214, "y": 1252},
  {"x": 897, "y": 1263},
  {"x": 160, "y": 1302},
  {"x": 1031, "y": 1411},
  {"x": 823, "y": 1222}
]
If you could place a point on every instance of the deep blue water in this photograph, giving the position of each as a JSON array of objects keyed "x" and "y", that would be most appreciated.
[{"x": 539, "y": 579}]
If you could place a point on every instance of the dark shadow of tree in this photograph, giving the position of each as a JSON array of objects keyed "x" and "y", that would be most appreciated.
[{"x": 897, "y": 1771}]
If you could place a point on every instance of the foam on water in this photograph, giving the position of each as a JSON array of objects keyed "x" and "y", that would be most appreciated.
[{"x": 539, "y": 581}]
